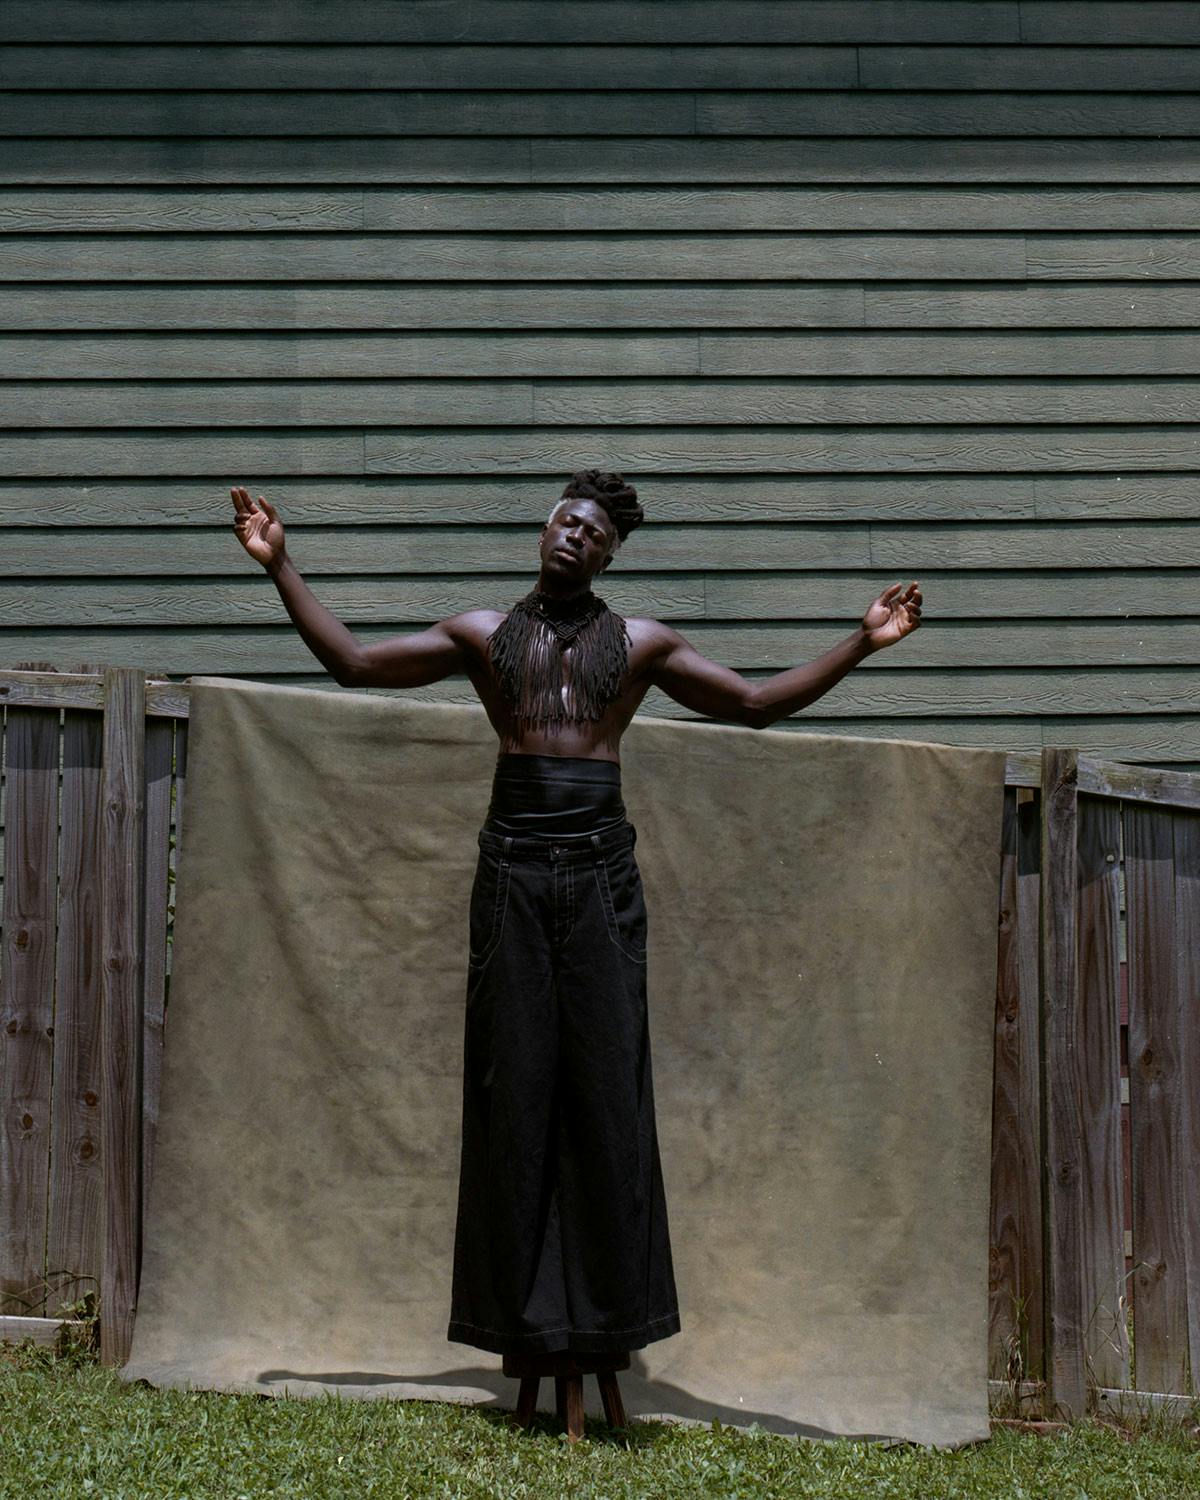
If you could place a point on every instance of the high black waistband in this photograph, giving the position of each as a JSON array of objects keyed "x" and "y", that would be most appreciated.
[{"x": 553, "y": 796}]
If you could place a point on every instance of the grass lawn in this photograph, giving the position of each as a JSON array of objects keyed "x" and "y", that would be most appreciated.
[{"x": 69, "y": 1428}]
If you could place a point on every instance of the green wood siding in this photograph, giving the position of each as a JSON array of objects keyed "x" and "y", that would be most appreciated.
[{"x": 853, "y": 292}]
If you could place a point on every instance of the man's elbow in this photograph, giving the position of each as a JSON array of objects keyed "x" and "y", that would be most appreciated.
[
  {"x": 754, "y": 712},
  {"x": 349, "y": 673}
]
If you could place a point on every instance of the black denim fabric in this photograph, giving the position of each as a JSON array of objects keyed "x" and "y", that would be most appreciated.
[{"x": 562, "y": 1240}]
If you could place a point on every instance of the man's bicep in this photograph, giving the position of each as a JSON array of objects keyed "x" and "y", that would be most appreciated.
[
  {"x": 412, "y": 660},
  {"x": 702, "y": 685}
]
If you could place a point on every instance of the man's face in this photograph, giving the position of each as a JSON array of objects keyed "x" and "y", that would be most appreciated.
[{"x": 577, "y": 541}]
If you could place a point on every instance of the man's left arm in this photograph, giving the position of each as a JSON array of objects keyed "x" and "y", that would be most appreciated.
[{"x": 708, "y": 688}]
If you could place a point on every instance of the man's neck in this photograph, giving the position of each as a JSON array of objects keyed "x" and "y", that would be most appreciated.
[{"x": 561, "y": 591}]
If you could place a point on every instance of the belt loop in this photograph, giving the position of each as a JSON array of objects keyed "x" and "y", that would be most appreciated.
[
  {"x": 506, "y": 857},
  {"x": 597, "y": 852}
]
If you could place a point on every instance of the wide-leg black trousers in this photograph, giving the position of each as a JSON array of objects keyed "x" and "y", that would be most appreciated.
[{"x": 561, "y": 1240}]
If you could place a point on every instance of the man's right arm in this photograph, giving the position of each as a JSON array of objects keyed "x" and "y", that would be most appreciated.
[{"x": 400, "y": 661}]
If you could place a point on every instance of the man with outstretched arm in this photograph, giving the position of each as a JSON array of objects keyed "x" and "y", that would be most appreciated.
[{"x": 561, "y": 1240}]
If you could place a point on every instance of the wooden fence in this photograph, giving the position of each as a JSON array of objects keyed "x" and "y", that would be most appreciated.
[{"x": 1096, "y": 1095}]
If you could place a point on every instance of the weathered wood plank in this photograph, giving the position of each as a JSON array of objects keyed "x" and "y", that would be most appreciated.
[
  {"x": 419, "y": 306},
  {"x": 540, "y": 21},
  {"x": 48, "y": 1331},
  {"x": 74, "y": 1248},
  {"x": 1083, "y": 68},
  {"x": 1004, "y": 1332},
  {"x": 999, "y": 693},
  {"x": 345, "y": 355},
  {"x": 27, "y": 1000},
  {"x": 763, "y": 645},
  {"x": 1083, "y": 257},
  {"x": 898, "y": 549},
  {"x": 505, "y": 499},
  {"x": 267, "y": 355},
  {"x": 122, "y": 863},
  {"x": 1187, "y": 956},
  {"x": 861, "y": 159},
  {"x": 1062, "y": 1171},
  {"x": 1098, "y": 1061},
  {"x": 159, "y": 746},
  {"x": 1031, "y": 1249},
  {"x": 384, "y": 113},
  {"x": 196, "y": 66},
  {"x": 969, "y": 113},
  {"x": 1130, "y": 22},
  {"x": 689, "y": 207},
  {"x": 567, "y": 402},
  {"x": 380, "y": 112},
  {"x": 1156, "y": 1087},
  {"x": 327, "y": 451},
  {"x": 178, "y": 160},
  {"x": 412, "y": 599},
  {"x": 1071, "y": 304},
  {"x": 175, "y": 160},
  {"x": 616, "y": 256}
]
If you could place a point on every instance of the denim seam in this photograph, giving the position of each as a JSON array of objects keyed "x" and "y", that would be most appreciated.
[
  {"x": 499, "y": 914},
  {"x": 610, "y": 915}
]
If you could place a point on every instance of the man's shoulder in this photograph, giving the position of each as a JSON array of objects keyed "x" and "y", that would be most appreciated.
[
  {"x": 648, "y": 634},
  {"x": 473, "y": 626}
]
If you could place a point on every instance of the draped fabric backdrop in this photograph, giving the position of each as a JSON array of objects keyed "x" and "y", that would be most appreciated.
[{"x": 822, "y": 964}]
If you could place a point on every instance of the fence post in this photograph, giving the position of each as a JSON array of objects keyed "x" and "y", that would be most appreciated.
[
  {"x": 121, "y": 860},
  {"x": 1062, "y": 1123}
]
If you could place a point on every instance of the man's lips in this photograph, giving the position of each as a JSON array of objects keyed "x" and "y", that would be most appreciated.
[{"x": 565, "y": 552}]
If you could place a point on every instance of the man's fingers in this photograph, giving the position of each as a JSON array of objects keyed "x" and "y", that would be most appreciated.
[{"x": 890, "y": 593}]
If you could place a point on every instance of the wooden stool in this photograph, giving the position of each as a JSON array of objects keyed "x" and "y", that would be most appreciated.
[{"x": 568, "y": 1371}]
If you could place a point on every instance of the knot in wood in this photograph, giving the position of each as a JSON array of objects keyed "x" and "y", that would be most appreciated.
[
  {"x": 23, "y": 938},
  {"x": 26, "y": 1122},
  {"x": 86, "y": 1149},
  {"x": 89, "y": 1097}
]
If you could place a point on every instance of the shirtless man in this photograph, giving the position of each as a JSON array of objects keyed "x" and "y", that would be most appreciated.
[{"x": 561, "y": 1240}]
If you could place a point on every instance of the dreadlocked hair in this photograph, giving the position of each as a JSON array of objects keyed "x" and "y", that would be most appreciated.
[{"x": 611, "y": 492}]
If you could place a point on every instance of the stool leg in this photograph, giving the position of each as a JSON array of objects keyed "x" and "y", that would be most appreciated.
[
  {"x": 560, "y": 1397},
  {"x": 527, "y": 1400},
  {"x": 574, "y": 1385},
  {"x": 610, "y": 1394}
]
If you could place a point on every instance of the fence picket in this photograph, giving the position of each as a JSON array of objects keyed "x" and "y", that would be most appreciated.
[
  {"x": 74, "y": 1244},
  {"x": 1155, "y": 1102},
  {"x": 122, "y": 845},
  {"x": 1187, "y": 917},
  {"x": 1004, "y": 1250},
  {"x": 159, "y": 749},
  {"x": 27, "y": 992},
  {"x": 1098, "y": 1055},
  {"x": 1029, "y": 1124}
]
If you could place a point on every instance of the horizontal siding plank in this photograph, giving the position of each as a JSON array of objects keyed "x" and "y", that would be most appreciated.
[
  {"x": 1130, "y": 22},
  {"x": 562, "y": 450},
  {"x": 179, "y": 160},
  {"x": 1080, "y": 68},
  {"x": 143, "y": 549},
  {"x": 818, "y": 594},
  {"x": 1164, "y": 257},
  {"x": 281, "y": 354},
  {"x": 1092, "y": 646},
  {"x": 348, "y": 113},
  {"x": 497, "y": 306},
  {"x": 965, "y": 114},
  {"x": 349, "y": 500},
  {"x": 1067, "y": 305},
  {"x": 315, "y": 112},
  {"x": 568, "y": 402},
  {"x": 637, "y": 305},
  {"x": 476, "y": 257},
  {"x": 689, "y": 207},
  {"x": 898, "y": 160},
  {"x": 749, "y": 449},
  {"x": 540, "y": 21},
  {"x": 196, "y": 66}
]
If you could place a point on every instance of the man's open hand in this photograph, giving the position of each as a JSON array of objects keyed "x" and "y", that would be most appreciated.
[
  {"x": 257, "y": 526},
  {"x": 895, "y": 614}
]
